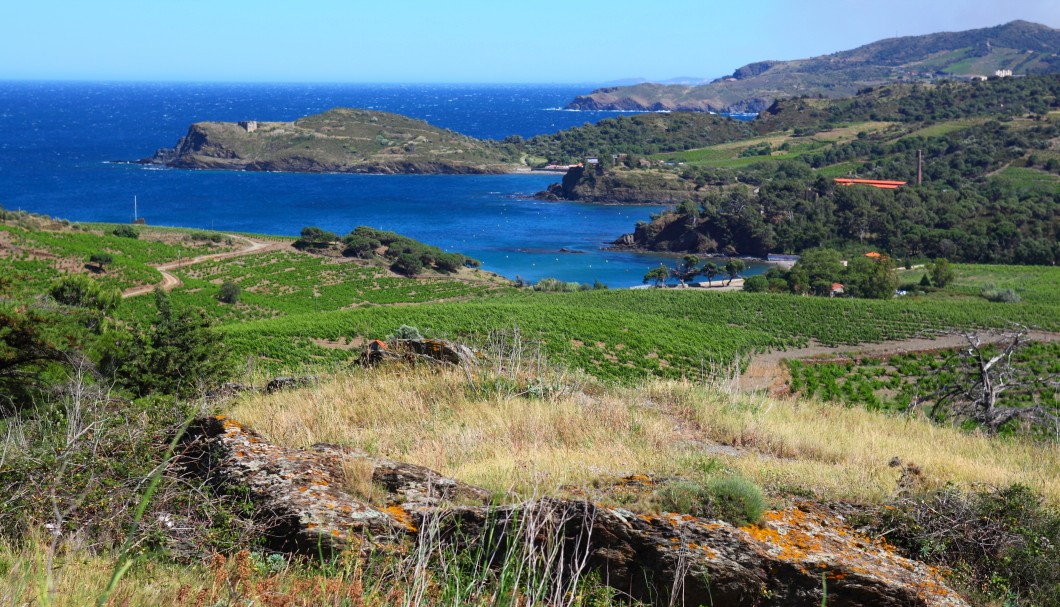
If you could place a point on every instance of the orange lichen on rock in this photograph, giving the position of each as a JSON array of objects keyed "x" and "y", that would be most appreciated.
[{"x": 400, "y": 516}]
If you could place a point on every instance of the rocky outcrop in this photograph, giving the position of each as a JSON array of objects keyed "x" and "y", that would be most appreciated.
[
  {"x": 622, "y": 187},
  {"x": 792, "y": 557}
]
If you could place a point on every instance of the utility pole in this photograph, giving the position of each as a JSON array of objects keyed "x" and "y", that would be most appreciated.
[{"x": 919, "y": 167}]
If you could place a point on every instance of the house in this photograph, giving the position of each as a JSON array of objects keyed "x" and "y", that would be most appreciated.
[{"x": 837, "y": 289}]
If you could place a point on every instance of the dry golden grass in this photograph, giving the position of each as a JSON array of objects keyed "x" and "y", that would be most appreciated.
[{"x": 535, "y": 445}]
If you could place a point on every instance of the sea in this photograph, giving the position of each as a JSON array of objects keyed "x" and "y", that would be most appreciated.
[{"x": 65, "y": 147}]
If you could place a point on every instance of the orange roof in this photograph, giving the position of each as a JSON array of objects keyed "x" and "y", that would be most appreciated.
[
  {"x": 876, "y": 183},
  {"x": 873, "y": 254}
]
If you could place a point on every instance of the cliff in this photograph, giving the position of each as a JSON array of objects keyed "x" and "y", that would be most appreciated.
[
  {"x": 648, "y": 187},
  {"x": 337, "y": 141},
  {"x": 1022, "y": 47}
]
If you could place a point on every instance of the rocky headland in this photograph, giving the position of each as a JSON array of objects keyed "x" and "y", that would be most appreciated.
[{"x": 337, "y": 141}]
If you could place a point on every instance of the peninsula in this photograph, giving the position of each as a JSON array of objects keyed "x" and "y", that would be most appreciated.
[{"x": 340, "y": 140}]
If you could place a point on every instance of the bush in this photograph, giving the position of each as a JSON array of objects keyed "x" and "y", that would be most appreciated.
[
  {"x": 1000, "y": 295},
  {"x": 736, "y": 500},
  {"x": 229, "y": 292},
  {"x": 126, "y": 232},
  {"x": 408, "y": 264},
  {"x": 83, "y": 292},
  {"x": 405, "y": 332},
  {"x": 733, "y": 499},
  {"x": 178, "y": 354},
  {"x": 756, "y": 284},
  {"x": 1001, "y": 544}
]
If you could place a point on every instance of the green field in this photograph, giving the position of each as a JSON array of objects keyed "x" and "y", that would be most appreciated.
[
  {"x": 632, "y": 334},
  {"x": 288, "y": 282},
  {"x": 40, "y": 256}
]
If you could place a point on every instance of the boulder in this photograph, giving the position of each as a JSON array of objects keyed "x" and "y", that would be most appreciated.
[{"x": 795, "y": 556}]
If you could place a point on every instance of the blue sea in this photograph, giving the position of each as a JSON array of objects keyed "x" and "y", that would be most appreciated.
[{"x": 61, "y": 144}]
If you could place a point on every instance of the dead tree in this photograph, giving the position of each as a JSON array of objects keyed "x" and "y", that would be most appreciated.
[{"x": 982, "y": 375}]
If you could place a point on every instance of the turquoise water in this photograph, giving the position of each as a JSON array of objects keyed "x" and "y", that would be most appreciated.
[{"x": 57, "y": 141}]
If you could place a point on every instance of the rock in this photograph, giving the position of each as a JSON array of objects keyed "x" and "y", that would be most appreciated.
[
  {"x": 286, "y": 383},
  {"x": 435, "y": 349},
  {"x": 787, "y": 559}
]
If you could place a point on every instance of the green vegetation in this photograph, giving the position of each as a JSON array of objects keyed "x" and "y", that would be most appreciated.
[
  {"x": 339, "y": 140},
  {"x": 628, "y": 335}
]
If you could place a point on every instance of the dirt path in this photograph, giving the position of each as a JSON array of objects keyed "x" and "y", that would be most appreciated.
[
  {"x": 170, "y": 281},
  {"x": 769, "y": 373}
]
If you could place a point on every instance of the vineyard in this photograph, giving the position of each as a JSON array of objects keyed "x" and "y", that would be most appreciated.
[
  {"x": 630, "y": 335},
  {"x": 289, "y": 282},
  {"x": 899, "y": 383},
  {"x": 38, "y": 256}
]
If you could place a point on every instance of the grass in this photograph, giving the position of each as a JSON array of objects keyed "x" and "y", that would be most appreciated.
[
  {"x": 1035, "y": 284},
  {"x": 583, "y": 431}
]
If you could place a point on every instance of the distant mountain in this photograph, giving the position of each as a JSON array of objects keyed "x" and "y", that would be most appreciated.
[{"x": 1019, "y": 46}]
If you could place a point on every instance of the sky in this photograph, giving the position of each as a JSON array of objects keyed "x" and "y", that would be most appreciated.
[{"x": 475, "y": 41}]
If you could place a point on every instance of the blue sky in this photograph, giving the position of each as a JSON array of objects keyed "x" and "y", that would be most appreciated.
[{"x": 456, "y": 41}]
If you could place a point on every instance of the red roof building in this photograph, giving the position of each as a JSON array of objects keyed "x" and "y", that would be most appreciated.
[{"x": 876, "y": 183}]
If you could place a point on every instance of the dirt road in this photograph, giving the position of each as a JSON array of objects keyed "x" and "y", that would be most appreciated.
[{"x": 170, "y": 281}]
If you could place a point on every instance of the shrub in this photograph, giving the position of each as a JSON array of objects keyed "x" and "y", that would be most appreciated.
[
  {"x": 83, "y": 292},
  {"x": 405, "y": 332},
  {"x": 1000, "y": 295},
  {"x": 126, "y": 232},
  {"x": 733, "y": 499},
  {"x": 736, "y": 500},
  {"x": 408, "y": 264},
  {"x": 1001, "y": 543},
  {"x": 178, "y": 354},
  {"x": 229, "y": 292},
  {"x": 756, "y": 284}
]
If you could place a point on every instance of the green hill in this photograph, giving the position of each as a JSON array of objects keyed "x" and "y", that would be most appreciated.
[
  {"x": 341, "y": 140},
  {"x": 1022, "y": 47}
]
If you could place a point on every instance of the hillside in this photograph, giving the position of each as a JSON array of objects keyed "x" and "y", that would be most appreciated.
[
  {"x": 989, "y": 148},
  {"x": 341, "y": 140},
  {"x": 1025, "y": 48}
]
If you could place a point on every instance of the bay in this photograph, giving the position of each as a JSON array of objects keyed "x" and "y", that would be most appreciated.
[{"x": 58, "y": 141}]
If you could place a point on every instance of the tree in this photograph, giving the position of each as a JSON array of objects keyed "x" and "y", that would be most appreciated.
[
  {"x": 871, "y": 278},
  {"x": 710, "y": 270},
  {"x": 816, "y": 270},
  {"x": 985, "y": 371},
  {"x": 657, "y": 276},
  {"x": 733, "y": 267},
  {"x": 686, "y": 270},
  {"x": 229, "y": 292},
  {"x": 126, "y": 231},
  {"x": 30, "y": 341},
  {"x": 408, "y": 264},
  {"x": 313, "y": 236},
  {"x": 179, "y": 354},
  {"x": 941, "y": 272},
  {"x": 102, "y": 260}
]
